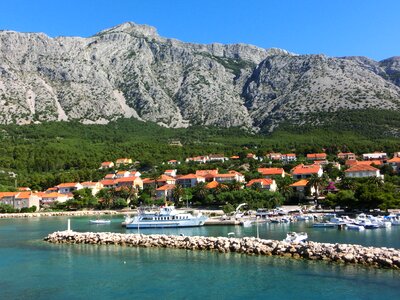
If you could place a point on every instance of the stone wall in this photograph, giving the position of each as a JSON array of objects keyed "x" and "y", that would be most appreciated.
[{"x": 343, "y": 253}]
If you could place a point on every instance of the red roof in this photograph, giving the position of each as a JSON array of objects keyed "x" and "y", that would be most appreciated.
[
  {"x": 300, "y": 183},
  {"x": 394, "y": 160},
  {"x": 211, "y": 185},
  {"x": 271, "y": 171},
  {"x": 108, "y": 182},
  {"x": 262, "y": 181},
  {"x": 23, "y": 195},
  {"x": 67, "y": 185},
  {"x": 303, "y": 169},
  {"x": 313, "y": 156},
  {"x": 206, "y": 172},
  {"x": 7, "y": 194},
  {"x": 126, "y": 179},
  {"x": 190, "y": 176},
  {"x": 361, "y": 168},
  {"x": 166, "y": 187},
  {"x": 363, "y": 162}
]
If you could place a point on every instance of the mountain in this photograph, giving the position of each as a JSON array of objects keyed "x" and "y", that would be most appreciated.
[{"x": 130, "y": 71}]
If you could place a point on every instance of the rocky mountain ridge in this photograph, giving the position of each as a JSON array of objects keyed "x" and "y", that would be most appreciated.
[{"x": 130, "y": 71}]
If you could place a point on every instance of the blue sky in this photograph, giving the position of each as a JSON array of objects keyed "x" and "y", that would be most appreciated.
[{"x": 336, "y": 28}]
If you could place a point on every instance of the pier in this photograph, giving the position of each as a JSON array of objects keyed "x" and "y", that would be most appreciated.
[{"x": 340, "y": 253}]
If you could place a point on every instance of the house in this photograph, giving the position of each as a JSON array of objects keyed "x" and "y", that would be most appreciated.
[
  {"x": 363, "y": 162},
  {"x": 395, "y": 163},
  {"x": 270, "y": 172},
  {"x": 358, "y": 171},
  {"x": 217, "y": 158},
  {"x": 306, "y": 171},
  {"x": 375, "y": 156},
  {"x": 161, "y": 180},
  {"x": 121, "y": 174},
  {"x": 232, "y": 176},
  {"x": 274, "y": 156},
  {"x": 316, "y": 156},
  {"x": 132, "y": 181},
  {"x": 346, "y": 156},
  {"x": 20, "y": 200},
  {"x": 251, "y": 156},
  {"x": 23, "y": 189},
  {"x": 94, "y": 186},
  {"x": 197, "y": 159},
  {"x": 109, "y": 183},
  {"x": 123, "y": 162},
  {"x": 107, "y": 165},
  {"x": 209, "y": 175},
  {"x": 171, "y": 173},
  {"x": 69, "y": 187},
  {"x": 301, "y": 188},
  {"x": 189, "y": 180},
  {"x": 47, "y": 199},
  {"x": 265, "y": 184},
  {"x": 165, "y": 192},
  {"x": 173, "y": 162},
  {"x": 289, "y": 157},
  {"x": 135, "y": 174}
]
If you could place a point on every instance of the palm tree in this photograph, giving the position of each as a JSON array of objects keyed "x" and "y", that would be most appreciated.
[
  {"x": 177, "y": 193},
  {"x": 318, "y": 183}
]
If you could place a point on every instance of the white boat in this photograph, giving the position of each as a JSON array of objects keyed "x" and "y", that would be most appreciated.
[
  {"x": 393, "y": 219},
  {"x": 294, "y": 237},
  {"x": 167, "y": 216},
  {"x": 304, "y": 217},
  {"x": 246, "y": 223},
  {"x": 100, "y": 221},
  {"x": 325, "y": 225},
  {"x": 355, "y": 227}
]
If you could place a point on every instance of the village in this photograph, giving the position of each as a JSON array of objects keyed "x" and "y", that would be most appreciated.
[{"x": 307, "y": 180}]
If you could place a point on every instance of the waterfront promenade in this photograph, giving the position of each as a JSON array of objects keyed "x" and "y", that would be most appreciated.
[{"x": 341, "y": 253}]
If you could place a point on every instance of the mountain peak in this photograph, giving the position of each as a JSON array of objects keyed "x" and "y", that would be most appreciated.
[{"x": 132, "y": 28}]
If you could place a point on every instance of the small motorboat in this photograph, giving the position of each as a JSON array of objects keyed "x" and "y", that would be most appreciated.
[
  {"x": 355, "y": 227},
  {"x": 294, "y": 237},
  {"x": 100, "y": 221},
  {"x": 325, "y": 225}
]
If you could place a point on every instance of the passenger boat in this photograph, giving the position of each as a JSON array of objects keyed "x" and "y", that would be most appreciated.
[
  {"x": 167, "y": 216},
  {"x": 100, "y": 221},
  {"x": 294, "y": 237}
]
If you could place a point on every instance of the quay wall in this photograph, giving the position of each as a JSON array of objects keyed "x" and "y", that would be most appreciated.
[{"x": 341, "y": 253}]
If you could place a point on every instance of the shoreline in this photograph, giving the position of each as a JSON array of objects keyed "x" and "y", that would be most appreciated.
[
  {"x": 64, "y": 214},
  {"x": 340, "y": 253}
]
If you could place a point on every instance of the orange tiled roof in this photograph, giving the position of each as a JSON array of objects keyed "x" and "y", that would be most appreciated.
[
  {"x": 190, "y": 176},
  {"x": 262, "y": 181},
  {"x": 316, "y": 155},
  {"x": 126, "y": 179},
  {"x": 88, "y": 183},
  {"x": 225, "y": 175},
  {"x": 206, "y": 172},
  {"x": 211, "y": 185},
  {"x": 303, "y": 169},
  {"x": 235, "y": 157},
  {"x": 109, "y": 176},
  {"x": 302, "y": 182},
  {"x": 106, "y": 163},
  {"x": 353, "y": 162},
  {"x": 290, "y": 154},
  {"x": 108, "y": 182},
  {"x": 166, "y": 187},
  {"x": 394, "y": 160},
  {"x": 7, "y": 194},
  {"x": 361, "y": 168},
  {"x": 23, "y": 195},
  {"x": 270, "y": 171},
  {"x": 67, "y": 184}
]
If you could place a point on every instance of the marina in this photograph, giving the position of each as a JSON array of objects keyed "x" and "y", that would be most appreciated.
[{"x": 30, "y": 260}]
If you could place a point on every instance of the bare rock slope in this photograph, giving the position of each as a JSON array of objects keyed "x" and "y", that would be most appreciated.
[{"x": 130, "y": 71}]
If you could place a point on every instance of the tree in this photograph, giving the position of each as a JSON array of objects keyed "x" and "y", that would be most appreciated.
[
  {"x": 318, "y": 183},
  {"x": 177, "y": 193}
]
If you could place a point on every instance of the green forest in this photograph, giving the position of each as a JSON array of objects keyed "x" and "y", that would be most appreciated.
[{"x": 43, "y": 155}]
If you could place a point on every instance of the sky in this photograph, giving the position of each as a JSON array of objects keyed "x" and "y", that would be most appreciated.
[{"x": 332, "y": 27}]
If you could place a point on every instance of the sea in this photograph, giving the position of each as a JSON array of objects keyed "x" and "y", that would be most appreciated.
[{"x": 33, "y": 269}]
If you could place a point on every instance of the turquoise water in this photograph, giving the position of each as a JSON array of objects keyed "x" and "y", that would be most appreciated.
[{"x": 32, "y": 269}]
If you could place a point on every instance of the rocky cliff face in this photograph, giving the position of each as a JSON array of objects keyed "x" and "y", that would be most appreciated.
[{"x": 130, "y": 71}]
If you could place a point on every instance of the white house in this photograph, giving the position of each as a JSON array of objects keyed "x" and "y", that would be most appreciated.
[
  {"x": 358, "y": 171},
  {"x": 69, "y": 187}
]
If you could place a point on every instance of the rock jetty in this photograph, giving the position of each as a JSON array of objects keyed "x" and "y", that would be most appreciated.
[
  {"x": 341, "y": 253},
  {"x": 63, "y": 213}
]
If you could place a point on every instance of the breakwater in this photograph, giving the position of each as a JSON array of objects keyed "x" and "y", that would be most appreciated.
[
  {"x": 64, "y": 213},
  {"x": 341, "y": 253}
]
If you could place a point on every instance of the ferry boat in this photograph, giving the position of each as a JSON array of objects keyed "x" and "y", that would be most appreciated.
[{"x": 167, "y": 216}]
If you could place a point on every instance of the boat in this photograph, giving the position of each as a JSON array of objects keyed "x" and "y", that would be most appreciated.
[
  {"x": 350, "y": 226},
  {"x": 100, "y": 221},
  {"x": 166, "y": 217},
  {"x": 294, "y": 237},
  {"x": 325, "y": 225},
  {"x": 393, "y": 219},
  {"x": 304, "y": 217},
  {"x": 246, "y": 223}
]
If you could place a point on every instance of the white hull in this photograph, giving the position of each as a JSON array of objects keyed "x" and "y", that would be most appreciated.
[
  {"x": 166, "y": 223},
  {"x": 355, "y": 227}
]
